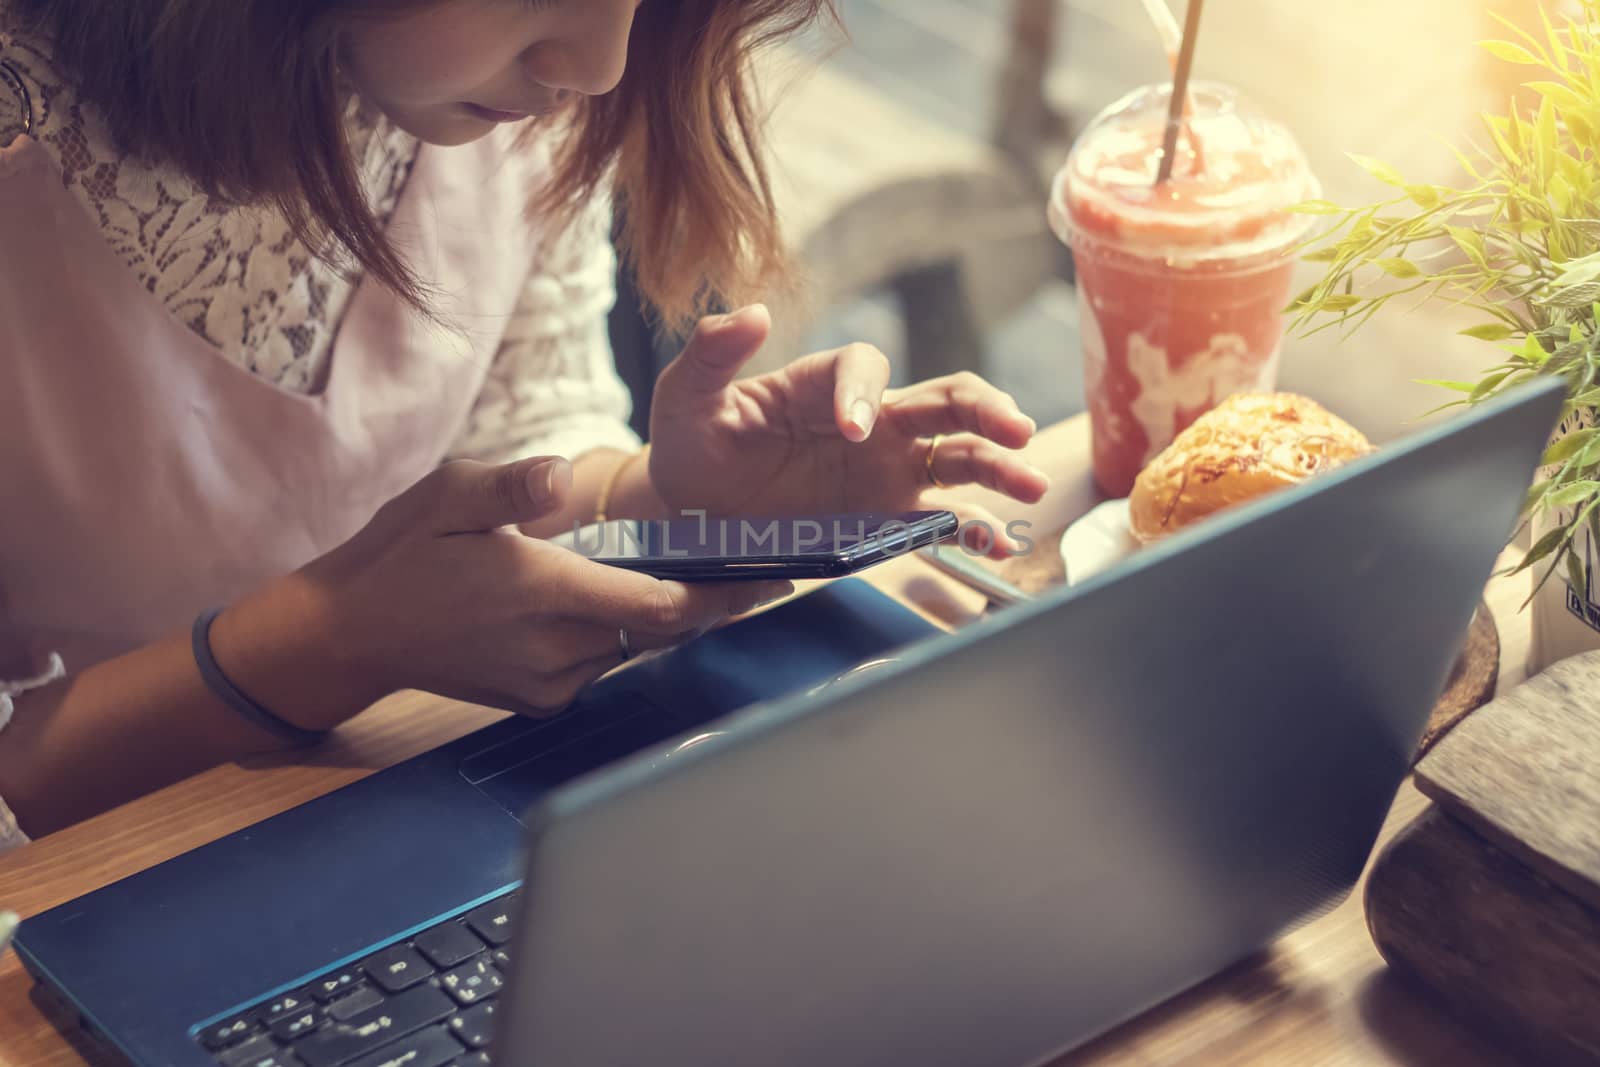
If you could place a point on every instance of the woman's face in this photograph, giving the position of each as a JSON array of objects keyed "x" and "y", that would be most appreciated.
[{"x": 448, "y": 71}]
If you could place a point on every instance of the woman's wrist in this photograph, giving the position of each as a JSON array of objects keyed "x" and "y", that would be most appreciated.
[
  {"x": 279, "y": 645},
  {"x": 632, "y": 494}
]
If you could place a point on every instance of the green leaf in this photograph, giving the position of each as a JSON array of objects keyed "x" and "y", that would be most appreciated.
[
  {"x": 1533, "y": 42},
  {"x": 1536, "y": 495},
  {"x": 1579, "y": 271},
  {"x": 1306, "y": 301},
  {"x": 1445, "y": 383},
  {"x": 1532, "y": 351},
  {"x": 1338, "y": 302},
  {"x": 1488, "y": 331},
  {"x": 1558, "y": 51},
  {"x": 1569, "y": 532},
  {"x": 1545, "y": 148},
  {"x": 1397, "y": 268},
  {"x": 1541, "y": 548},
  {"x": 1317, "y": 207},
  {"x": 1570, "y": 445},
  {"x": 1575, "y": 296},
  {"x": 1461, "y": 158},
  {"x": 1556, "y": 91},
  {"x": 1572, "y": 493},
  {"x": 1580, "y": 126},
  {"x": 1470, "y": 242},
  {"x": 1590, "y": 228},
  {"x": 1575, "y": 575},
  {"x": 1428, "y": 196},
  {"x": 1378, "y": 169},
  {"x": 1498, "y": 128},
  {"x": 1489, "y": 384},
  {"x": 1511, "y": 53}
]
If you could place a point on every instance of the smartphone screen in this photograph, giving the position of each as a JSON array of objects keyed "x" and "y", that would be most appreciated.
[{"x": 807, "y": 546}]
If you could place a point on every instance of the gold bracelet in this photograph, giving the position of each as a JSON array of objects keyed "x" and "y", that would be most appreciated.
[{"x": 602, "y": 503}]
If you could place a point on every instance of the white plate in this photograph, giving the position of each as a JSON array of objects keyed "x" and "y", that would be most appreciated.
[{"x": 1100, "y": 539}]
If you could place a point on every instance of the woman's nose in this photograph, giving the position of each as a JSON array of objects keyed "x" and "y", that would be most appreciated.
[{"x": 590, "y": 57}]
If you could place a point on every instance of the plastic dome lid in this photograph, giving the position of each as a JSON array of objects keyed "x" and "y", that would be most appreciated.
[{"x": 1235, "y": 173}]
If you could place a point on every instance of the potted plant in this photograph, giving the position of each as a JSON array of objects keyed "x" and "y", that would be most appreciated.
[{"x": 1519, "y": 242}]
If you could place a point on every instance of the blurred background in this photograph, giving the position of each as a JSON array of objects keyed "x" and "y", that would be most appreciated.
[{"x": 913, "y": 157}]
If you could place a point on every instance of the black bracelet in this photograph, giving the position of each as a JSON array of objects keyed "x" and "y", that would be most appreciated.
[{"x": 231, "y": 695}]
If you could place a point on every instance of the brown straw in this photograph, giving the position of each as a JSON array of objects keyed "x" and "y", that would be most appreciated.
[{"x": 1180, "y": 89}]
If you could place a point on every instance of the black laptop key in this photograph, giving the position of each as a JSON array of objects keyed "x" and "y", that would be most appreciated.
[
  {"x": 293, "y": 1027},
  {"x": 376, "y": 1027},
  {"x": 448, "y": 945},
  {"x": 474, "y": 980},
  {"x": 502, "y": 958},
  {"x": 259, "y": 1051},
  {"x": 475, "y": 1059},
  {"x": 492, "y": 920},
  {"x": 475, "y": 1026},
  {"x": 429, "y": 1048},
  {"x": 397, "y": 968},
  {"x": 335, "y": 985},
  {"x": 288, "y": 1004},
  {"x": 228, "y": 1032},
  {"x": 364, "y": 997}
]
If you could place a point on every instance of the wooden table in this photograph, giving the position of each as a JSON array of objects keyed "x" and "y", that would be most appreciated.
[{"x": 1320, "y": 996}]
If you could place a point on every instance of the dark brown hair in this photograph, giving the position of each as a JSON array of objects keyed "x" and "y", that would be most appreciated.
[{"x": 244, "y": 96}]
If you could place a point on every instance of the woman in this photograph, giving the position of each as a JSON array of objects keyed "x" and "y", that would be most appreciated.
[{"x": 280, "y": 331}]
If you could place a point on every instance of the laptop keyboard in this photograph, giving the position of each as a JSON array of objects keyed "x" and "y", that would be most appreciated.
[{"x": 428, "y": 1001}]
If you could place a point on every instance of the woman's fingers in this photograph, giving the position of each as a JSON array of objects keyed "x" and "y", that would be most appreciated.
[
  {"x": 968, "y": 459},
  {"x": 614, "y": 598},
  {"x": 717, "y": 350},
  {"x": 861, "y": 374},
  {"x": 564, "y": 657},
  {"x": 959, "y": 403},
  {"x": 982, "y": 532},
  {"x": 556, "y": 647},
  {"x": 678, "y": 607},
  {"x": 851, "y": 380}
]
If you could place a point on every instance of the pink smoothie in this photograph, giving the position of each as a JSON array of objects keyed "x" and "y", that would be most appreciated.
[{"x": 1181, "y": 287}]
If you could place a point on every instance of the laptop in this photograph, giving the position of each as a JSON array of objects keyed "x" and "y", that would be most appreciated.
[{"x": 827, "y": 835}]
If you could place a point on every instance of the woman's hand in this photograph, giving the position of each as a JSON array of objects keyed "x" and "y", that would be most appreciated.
[
  {"x": 437, "y": 592},
  {"x": 824, "y": 434},
  {"x": 440, "y": 592}
]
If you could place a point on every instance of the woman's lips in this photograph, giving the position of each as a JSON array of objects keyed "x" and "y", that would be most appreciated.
[{"x": 490, "y": 114}]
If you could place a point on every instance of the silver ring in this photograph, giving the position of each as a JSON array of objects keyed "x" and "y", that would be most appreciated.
[{"x": 624, "y": 644}]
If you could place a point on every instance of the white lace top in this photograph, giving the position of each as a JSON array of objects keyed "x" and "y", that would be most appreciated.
[{"x": 239, "y": 280}]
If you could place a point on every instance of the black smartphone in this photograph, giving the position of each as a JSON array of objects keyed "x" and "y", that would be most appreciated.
[{"x": 696, "y": 549}]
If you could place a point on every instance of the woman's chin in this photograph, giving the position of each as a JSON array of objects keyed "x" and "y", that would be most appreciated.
[{"x": 445, "y": 127}]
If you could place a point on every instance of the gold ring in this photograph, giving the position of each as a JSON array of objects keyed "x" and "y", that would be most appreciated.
[
  {"x": 14, "y": 82},
  {"x": 927, "y": 461}
]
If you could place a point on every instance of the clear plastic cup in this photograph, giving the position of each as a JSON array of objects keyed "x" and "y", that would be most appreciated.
[{"x": 1181, "y": 287}]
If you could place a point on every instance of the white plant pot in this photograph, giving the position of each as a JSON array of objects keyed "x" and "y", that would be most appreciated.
[{"x": 1566, "y": 621}]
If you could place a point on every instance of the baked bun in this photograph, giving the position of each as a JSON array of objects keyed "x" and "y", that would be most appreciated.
[{"x": 1247, "y": 446}]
